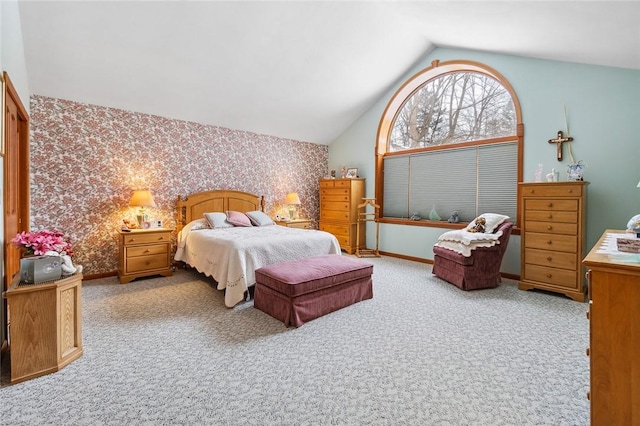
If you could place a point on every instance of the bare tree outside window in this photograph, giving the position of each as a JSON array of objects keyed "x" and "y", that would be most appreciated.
[{"x": 454, "y": 108}]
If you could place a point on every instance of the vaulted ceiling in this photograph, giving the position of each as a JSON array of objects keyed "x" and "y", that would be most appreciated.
[{"x": 303, "y": 70}]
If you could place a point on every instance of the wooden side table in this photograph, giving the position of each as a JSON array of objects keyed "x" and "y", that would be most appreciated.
[
  {"x": 295, "y": 223},
  {"x": 45, "y": 326},
  {"x": 144, "y": 252}
]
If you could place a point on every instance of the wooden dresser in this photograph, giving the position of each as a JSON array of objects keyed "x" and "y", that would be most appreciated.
[
  {"x": 614, "y": 325},
  {"x": 45, "y": 326},
  {"x": 144, "y": 253},
  {"x": 339, "y": 199},
  {"x": 552, "y": 237}
]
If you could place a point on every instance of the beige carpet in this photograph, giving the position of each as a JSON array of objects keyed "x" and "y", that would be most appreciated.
[{"x": 165, "y": 351}]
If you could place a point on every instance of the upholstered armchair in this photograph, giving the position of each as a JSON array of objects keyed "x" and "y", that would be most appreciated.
[{"x": 479, "y": 270}]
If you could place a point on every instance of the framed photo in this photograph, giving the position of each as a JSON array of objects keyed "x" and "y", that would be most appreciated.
[{"x": 352, "y": 172}]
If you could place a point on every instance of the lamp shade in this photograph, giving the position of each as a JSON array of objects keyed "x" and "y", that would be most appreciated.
[
  {"x": 142, "y": 198},
  {"x": 292, "y": 198}
]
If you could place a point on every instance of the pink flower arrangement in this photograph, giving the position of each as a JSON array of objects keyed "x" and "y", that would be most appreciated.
[{"x": 40, "y": 242}]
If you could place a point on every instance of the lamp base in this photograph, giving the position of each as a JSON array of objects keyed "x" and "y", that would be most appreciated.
[
  {"x": 142, "y": 218},
  {"x": 292, "y": 213}
]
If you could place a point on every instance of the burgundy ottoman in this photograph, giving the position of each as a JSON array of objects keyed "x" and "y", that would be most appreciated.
[{"x": 301, "y": 290}]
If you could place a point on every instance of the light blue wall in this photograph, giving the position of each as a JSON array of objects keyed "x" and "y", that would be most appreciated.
[{"x": 603, "y": 109}]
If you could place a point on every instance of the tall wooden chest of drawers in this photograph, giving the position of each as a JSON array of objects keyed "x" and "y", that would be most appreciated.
[
  {"x": 339, "y": 199},
  {"x": 553, "y": 243},
  {"x": 144, "y": 253}
]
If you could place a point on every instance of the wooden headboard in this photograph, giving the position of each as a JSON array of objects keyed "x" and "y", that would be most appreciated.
[{"x": 193, "y": 206}]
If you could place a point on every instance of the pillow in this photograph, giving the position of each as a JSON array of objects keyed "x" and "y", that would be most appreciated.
[
  {"x": 259, "y": 218},
  {"x": 493, "y": 220},
  {"x": 217, "y": 220},
  {"x": 195, "y": 225},
  {"x": 238, "y": 218}
]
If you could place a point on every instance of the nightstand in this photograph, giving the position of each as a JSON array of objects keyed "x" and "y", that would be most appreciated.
[
  {"x": 295, "y": 223},
  {"x": 144, "y": 252}
]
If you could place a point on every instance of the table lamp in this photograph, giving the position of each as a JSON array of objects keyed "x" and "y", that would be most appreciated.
[
  {"x": 292, "y": 199},
  {"x": 142, "y": 198}
]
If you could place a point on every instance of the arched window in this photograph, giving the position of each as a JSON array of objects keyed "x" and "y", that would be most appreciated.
[{"x": 450, "y": 139}]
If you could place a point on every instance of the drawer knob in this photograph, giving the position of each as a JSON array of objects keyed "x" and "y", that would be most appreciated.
[
  {"x": 146, "y": 251},
  {"x": 549, "y": 228},
  {"x": 550, "y": 205},
  {"x": 549, "y": 242},
  {"x": 549, "y": 259},
  {"x": 588, "y": 352},
  {"x": 550, "y": 216},
  {"x": 588, "y": 315},
  {"x": 548, "y": 275}
]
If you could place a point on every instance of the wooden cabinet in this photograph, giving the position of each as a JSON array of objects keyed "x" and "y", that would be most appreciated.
[
  {"x": 614, "y": 325},
  {"x": 144, "y": 253},
  {"x": 553, "y": 227},
  {"x": 45, "y": 326},
  {"x": 339, "y": 199},
  {"x": 295, "y": 223}
]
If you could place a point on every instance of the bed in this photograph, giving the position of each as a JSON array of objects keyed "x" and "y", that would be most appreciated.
[{"x": 231, "y": 255}]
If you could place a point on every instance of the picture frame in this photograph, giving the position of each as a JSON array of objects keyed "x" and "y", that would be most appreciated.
[{"x": 352, "y": 172}]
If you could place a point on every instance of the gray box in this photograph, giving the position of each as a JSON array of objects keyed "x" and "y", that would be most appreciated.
[{"x": 38, "y": 269}]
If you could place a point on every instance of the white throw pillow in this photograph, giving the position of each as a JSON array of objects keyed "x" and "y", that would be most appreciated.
[
  {"x": 217, "y": 220},
  {"x": 195, "y": 225},
  {"x": 493, "y": 220}
]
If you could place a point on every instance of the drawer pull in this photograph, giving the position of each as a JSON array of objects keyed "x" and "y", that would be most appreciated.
[
  {"x": 549, "y": 242},
  {"x": 589, "y": 396},
  {"x": 588, "y": 316},
  {"x": 550, "y": 205},
  {"x": 146, "y": 251},
  {"x": 550, "y": 216},
  {"x": 588, "y": 352},
  {"x": 549, "y": 275},
  {"x": 549, "y": 259},
  {"x": 549, "y": 228}
]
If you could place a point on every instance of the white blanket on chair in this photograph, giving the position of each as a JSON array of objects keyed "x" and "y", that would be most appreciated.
[{"x": 464, "y": 242}]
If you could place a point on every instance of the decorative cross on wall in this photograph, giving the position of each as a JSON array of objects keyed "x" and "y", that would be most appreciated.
[{"x": 559, "y": 141}]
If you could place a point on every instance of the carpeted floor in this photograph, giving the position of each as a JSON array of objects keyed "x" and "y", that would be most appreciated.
[{"x": 165, "y": 351}]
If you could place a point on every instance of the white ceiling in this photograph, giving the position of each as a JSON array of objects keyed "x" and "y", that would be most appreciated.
[{"x": 303, "y": 70}]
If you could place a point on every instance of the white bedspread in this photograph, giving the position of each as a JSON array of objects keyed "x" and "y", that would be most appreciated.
[
  {"x": 231, "y": 255},
  {"x": 464, "y": 242}
]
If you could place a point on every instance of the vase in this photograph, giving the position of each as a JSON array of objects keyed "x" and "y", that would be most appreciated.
[{"x": 575, "y": 171}]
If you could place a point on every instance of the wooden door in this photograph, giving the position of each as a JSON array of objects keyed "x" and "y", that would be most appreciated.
[{"x": 16, "y": 177}]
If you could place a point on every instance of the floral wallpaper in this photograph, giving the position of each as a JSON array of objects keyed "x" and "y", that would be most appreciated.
[{"x": 86, "y": 160}]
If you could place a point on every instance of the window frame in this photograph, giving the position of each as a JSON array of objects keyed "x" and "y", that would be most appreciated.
[{"x": 397, "y": 102}]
